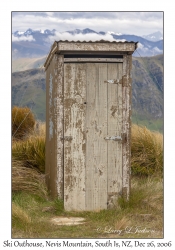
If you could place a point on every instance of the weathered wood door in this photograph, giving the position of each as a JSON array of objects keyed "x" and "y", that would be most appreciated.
[{"x": 92, "y": 120}]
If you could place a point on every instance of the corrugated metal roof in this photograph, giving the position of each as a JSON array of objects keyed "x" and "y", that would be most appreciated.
[{"x": 98, "y": 41}]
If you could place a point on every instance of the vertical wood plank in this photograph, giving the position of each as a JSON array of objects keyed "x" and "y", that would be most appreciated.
[
  {"x": 96, "y": 129},
  {"x": 48, "y": 141},
  {"x": 129, "y": 73},
  {"x": 126, "y": 124},
  {"x": 90, "y": 133},
  {"x": 51, "y": 134},
  {"x": 114, "y": 129},
  {"x": 74, "y": 149},
  {"x": 58, "y": 121}
]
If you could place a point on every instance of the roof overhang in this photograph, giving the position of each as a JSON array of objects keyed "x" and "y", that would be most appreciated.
[{"x": 76, "y": 47}]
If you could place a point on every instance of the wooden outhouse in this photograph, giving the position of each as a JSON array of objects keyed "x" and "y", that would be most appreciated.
[{"x": 88, "y": 122}]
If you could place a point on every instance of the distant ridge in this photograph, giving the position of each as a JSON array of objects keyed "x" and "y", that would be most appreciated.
[{"x": 37, "y": 43}]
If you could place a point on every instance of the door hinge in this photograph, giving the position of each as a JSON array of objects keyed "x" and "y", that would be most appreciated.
[
  {"x": 126, "y": 81},
  {"x": 121, "y": 138},
  {"x": 66, "y": 138},
  {"x": 124, "y": 137}
]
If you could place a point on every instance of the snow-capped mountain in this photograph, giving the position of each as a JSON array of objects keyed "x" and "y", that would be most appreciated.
[
  {"x": 37, "y": 43},
  {"x": 157, "y": 36},
  {"x": 85, "y": 31}
]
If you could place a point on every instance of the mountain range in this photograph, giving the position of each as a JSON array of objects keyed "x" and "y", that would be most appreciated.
[{"x": 37, "y": 43}]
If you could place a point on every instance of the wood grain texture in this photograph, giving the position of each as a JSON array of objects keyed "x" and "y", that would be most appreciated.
[
  {"x": 92, "y": 46},
  {"x": 96, "y": 129},
  {"x": 58, "y": 120},
  {"x": 90, "y": 132},
  {"x": 50, "y": 136},
  {"x": 74, "y": 150},
  {"x": 88, "y": 102},
  {"x": 114, "y": 98},
  {"x": 54, "y": 128},
  {"x": 88, "y": 99},
  {"x": 47, "y": 158},
  {"x": 51, "y": 54},
  {"x": 126, "y": 124}
]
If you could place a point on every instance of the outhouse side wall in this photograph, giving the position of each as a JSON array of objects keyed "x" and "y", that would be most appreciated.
[{"x": 54, "y": 128}]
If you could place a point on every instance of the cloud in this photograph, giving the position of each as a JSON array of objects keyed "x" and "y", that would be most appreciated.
[
  {"x": 140, "y": 45},
  {"x": 138, "y": 23},
  {"x": 97, "y": 14},
  {"x": 80, "y": 37},
  {"x": 22, "y": 38},
  {"x": 158, "y": 50}
]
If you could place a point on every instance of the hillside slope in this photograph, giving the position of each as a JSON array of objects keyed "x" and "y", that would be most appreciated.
[{"x": 22, "y": 64}]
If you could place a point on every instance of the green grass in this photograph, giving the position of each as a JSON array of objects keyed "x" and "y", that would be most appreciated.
[{"x": 143, "y": 210}]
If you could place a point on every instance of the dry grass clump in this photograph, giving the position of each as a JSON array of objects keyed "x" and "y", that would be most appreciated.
[
  {"x": 39, "y": 129},
  {"x": 31, "y": 152},
  {"x": 144, "y": 209},
  {"x": 23, "y": 122},
  {"x": 19, "y": 215},
  {"x": 146, "y": 151},
  {"x": 28, "y": 180},
  {"x": 150, "y": 193},
  {"x": 28, "y": 160}
]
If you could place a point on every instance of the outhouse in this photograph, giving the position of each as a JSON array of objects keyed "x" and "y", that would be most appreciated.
[{"x": 88, "y": 122}]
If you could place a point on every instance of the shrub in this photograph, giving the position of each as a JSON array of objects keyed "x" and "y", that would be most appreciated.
[
  {"x": 23, "y": 122},
  {"x": 146, "y": 151}
]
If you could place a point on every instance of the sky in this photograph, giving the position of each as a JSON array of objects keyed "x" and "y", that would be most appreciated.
[{"x": 138, "y": 22}]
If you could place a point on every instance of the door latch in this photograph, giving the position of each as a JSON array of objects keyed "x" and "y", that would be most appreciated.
[
  {"x": 113, "y": 81},
  {"x": 114, "y": 138},
  {"x": 121, "y": 138}
]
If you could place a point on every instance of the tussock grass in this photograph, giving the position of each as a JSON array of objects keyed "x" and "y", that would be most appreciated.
[
  {"x": 28, "y": 180},
  {"x": 20, "y": 218},
  {"x": 31, "y": 152},
  {"x": 39, "y": 129},
  {"x": 146, "y": 151},
  {"x": 23, "y": 122},
  {"x": 145, "y": 193}
]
